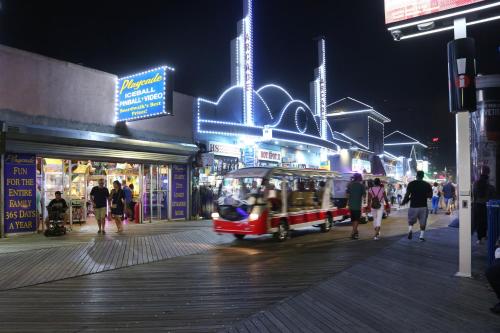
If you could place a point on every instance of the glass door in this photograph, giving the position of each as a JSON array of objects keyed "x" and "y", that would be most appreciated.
[
  {"x": 155, "y": 195},
  {"x": 146, "y": 194},
  {"x": 162, "y": 206}
]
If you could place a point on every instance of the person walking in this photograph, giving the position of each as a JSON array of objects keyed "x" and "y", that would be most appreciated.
[
  {"x": 392, "y": 194},
  {"x": 117, "y": 204},
  {"x": 417, "y": 193},
  {"x": 132, "y": 203},
  {"x": 441, "y": 198},
  {"x": 377, "y": 199},
  {"x": 99, "y": 196},
  {"x": 403, "y": 192},
  {"x": 355, "y": 192},
  {"x": 435, "y": 198},
  {"x": 482, "y": 192},
  {"x": 449, "y": 195},
  {"x": 128, "y": 198},
  {"x": 399, "y": 194}
]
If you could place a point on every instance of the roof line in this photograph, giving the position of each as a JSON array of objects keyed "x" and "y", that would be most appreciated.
[
  {"x": 371, "y": 107},
  {"x": 412, "y": 138}
]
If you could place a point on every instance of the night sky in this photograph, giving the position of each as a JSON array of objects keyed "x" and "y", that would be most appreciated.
[{"x": 406, "y": 81}]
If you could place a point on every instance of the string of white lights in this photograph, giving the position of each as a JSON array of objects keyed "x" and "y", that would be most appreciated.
[{"x": 277, "y": 87}]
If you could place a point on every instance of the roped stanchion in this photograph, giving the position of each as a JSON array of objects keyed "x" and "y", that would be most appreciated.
[{"x": 493, "y": 228}]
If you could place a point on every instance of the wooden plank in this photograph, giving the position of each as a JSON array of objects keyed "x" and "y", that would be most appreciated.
[
  {"x": 310, "y": 283},
  {"x": 72, "y": 262}
]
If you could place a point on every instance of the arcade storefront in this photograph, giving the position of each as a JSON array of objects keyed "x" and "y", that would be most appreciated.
[{"x": 33, "y": 168}]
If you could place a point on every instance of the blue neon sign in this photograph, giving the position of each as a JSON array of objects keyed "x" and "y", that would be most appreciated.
[{"x": 144, "y": 95}]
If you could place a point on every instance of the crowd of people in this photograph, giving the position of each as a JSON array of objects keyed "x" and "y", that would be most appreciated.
[
  {"x": 417, "y": 194},
  {"x": 119, "y": 200}
]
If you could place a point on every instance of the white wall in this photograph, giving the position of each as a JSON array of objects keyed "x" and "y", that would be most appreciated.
[{"x": 36, "y": 86}]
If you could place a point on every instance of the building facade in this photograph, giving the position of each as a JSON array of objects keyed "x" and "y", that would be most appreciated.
[
  {"x": 58, "y": 126},
  {"x": 409, "y": 150}
]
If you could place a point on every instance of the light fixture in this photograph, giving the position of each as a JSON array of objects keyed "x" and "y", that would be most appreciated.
[{"x": 426, "y": 26}]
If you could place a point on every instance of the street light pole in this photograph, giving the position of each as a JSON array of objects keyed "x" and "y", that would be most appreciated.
[{"x": 463, "y": 156}]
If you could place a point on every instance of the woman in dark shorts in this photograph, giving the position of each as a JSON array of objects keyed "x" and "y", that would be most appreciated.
[{"x": 117, "y": 204}]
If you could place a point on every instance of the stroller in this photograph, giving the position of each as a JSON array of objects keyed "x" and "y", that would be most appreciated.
[{"x": 56, "y": 225}]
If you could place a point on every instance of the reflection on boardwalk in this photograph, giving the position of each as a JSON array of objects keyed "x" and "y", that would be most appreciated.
[
  {"x": 38, "y": 266},
  {"x": 407, "y": 287},
  {"x": 314, "y": 282}
]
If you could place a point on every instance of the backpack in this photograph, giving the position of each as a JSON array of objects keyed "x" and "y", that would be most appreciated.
[{"x": 375, "y": 200}]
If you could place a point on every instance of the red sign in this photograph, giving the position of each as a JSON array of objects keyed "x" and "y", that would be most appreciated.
[
  {"x": 269, "y": 155},
  {"x": 462, "y": 81},
  {"x": 401, "y": 10},
  {"x": 435, "y": 139}
]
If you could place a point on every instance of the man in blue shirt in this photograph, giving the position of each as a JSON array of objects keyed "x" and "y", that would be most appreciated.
[{"x": 127, "y": 193}]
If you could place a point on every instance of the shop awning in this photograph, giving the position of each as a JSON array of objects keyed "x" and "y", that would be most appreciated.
[{"x": 66, "y": 143}]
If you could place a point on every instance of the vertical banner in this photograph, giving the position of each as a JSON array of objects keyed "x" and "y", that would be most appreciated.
[
  {"x": 20, "y": 193},
  {"x": 249, "y": 156},
  {"x": 179, "y": 191}
]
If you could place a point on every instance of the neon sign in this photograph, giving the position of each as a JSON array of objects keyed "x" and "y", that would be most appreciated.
[{"x": 144, "y": 95}]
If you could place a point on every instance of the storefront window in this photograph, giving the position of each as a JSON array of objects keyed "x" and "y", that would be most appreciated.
[
  {"x": 76, "y": 178},
  {"x": 155, "y": 198},
  {"x": 54, "y": 178}
]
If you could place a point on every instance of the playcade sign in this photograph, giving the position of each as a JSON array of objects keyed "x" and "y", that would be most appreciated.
[{"x": 145, "y": 95}]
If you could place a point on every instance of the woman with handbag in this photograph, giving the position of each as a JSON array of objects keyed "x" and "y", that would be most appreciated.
[
  {"x": 377, "y": 199},
  {"x": 117, "y": 204}
]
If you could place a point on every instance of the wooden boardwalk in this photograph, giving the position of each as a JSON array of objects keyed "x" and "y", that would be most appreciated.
[
  {"x": 25, "y": 268},
  {"x": 408, "y": 287},
  {"x": 240, "y": 285},
  {"x": 203, "y": 292},
  {"x": 38, "y": 241}
]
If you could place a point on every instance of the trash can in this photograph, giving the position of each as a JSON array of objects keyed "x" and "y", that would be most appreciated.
[{"x": 493, "y": 227}]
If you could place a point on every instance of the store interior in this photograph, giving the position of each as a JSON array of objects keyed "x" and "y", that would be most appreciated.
[{"x": 75, "y": 179}]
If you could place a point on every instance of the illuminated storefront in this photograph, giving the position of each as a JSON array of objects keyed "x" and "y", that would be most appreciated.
[{"x": 61, "y": 139}]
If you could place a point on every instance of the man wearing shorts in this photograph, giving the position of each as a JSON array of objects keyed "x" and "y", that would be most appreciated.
[
  {"x": 449, "y": 196},
  {"x": 355, "y": 193},
  {"x": 99, "y": 196},
  {"x": 417, "y": 193}
]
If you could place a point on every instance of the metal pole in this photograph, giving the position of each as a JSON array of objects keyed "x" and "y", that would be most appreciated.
[
  {"x": 151, "y": 193},
  {"x": 70, "y": 178},
  {"x": 141, "y": 193},
  {"x": 2, "y": 197},
  {"x": 464, "y": 176},
  {"x": 170, "y": 192},
  {"x": 189, "y": 191}
]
